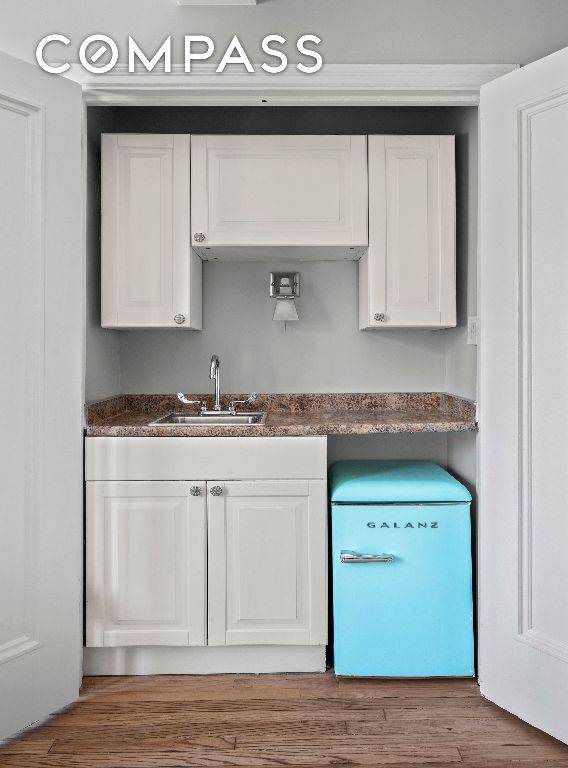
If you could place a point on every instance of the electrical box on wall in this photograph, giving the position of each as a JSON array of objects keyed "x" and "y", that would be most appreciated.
[{"x": 472, "y": 330}]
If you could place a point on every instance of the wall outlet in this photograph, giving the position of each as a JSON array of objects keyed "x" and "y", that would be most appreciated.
[{"x": 472, "y": 330}]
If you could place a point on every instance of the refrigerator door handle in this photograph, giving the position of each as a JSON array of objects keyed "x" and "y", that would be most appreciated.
[{"x": 347, "y": 556}]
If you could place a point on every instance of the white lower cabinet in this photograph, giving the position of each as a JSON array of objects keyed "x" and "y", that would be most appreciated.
[
  {"x": 146, "y": 560},
  {"x": 267, "y": 580},
  {"x": 174, "y": 562}
]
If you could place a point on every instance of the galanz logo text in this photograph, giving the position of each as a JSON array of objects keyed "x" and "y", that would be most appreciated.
[{"x": 395, "y": 524}]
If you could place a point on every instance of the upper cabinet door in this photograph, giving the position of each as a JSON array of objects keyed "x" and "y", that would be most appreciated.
[
  {"x": 407, "y": 277},
  {"x": 267, "y": 563},
  {"x": 150, "y": 276},
  {"x": 279, "y": 191}
]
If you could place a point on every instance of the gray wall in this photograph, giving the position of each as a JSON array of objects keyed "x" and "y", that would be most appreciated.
[
  {"x": 436, "y": 31},
  {"x": 461, "y": 358},
  {"x": 324, "y": 351},
  {"x": 102, "y": 348},
  {"x": 426, "y": 447}
]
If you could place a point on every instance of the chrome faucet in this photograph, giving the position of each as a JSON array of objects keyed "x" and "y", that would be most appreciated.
[{"x": 214, "y": 374}]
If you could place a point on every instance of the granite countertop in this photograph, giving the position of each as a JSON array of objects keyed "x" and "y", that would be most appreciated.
[{"x": 289, "y": 414}]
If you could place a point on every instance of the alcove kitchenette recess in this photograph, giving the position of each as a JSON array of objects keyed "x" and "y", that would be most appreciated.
[
  {"x": 249, "y": 428},
  {"x": 207, "y": 512}
]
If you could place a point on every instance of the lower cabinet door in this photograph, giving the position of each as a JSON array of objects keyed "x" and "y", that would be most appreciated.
[
  {"x": 146, "y": 560},
  {"x": 267, "y": 563}
]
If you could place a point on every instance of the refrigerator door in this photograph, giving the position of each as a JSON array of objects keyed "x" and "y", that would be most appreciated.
[{"x": 402, "y": 595}]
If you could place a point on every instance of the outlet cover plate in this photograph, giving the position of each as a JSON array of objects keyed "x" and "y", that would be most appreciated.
[{"x": 472, "y": 330}]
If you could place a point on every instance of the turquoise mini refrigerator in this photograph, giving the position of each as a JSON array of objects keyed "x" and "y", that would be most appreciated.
[{"x": 401, "y": 559}]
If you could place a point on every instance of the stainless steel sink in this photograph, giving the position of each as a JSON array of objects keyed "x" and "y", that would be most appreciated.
[{"x": 200, "y": 420}]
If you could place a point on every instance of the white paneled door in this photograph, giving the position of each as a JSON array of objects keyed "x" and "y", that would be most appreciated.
[
  {"x": 41, "y": 322},
  {"x": 523, "y": 626}
]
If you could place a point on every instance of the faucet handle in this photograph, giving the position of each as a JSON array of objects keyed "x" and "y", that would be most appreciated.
[
  {"x": 249, "y": 401},
  {"x": 183, "y": 399}
]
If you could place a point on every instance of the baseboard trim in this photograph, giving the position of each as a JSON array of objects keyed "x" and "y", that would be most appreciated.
[{"x": 163, "y": 660}]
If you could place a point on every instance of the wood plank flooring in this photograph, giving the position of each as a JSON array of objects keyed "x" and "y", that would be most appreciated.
[{"x": 272, "y": 721}]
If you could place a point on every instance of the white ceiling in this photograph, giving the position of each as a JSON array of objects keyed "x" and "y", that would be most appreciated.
[
  {"x": 352, "y": 31},
  {"x": 216, "y": 2}
]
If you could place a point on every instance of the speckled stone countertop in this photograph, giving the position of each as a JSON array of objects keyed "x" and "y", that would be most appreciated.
[{"x": 289, "y": 414}]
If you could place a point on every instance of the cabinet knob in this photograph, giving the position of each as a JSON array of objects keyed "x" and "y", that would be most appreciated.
[
  {"x": 217, "y": 490},
  {"x": 195, "y": 490},
  {"x": 380, "y": 317},
  {"x": 179, "y": 319},
  {"x": 199, "y": 237}
]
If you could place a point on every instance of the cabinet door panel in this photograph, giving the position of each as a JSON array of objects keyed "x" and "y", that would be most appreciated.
[
  {"x": 413, "y": 276},
  {"x": 267, "y": 553},
  {"x": 147, "y": 265},
  {"x": 145, "y": 564},
  {"x": 408, "y": 275},
  {"x": 279, "y": 190}
]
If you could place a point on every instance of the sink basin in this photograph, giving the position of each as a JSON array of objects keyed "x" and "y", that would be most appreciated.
[{"x": 199, "y": 420}]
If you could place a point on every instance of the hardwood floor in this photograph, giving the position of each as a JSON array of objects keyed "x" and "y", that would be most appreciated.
[{"x": 281, "y": 720}]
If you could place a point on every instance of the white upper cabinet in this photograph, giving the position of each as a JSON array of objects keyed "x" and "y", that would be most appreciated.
[
  {"x": 150, "y": 276},
  {"x": 272, "y": 197},
  {"x": 407, "y": 276},
  {"x": 254, "y": 193}
]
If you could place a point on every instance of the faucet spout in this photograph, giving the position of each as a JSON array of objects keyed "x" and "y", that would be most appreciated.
[{"x": 214, "y": 375}]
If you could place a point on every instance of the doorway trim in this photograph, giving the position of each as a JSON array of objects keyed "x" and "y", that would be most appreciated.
[{"x": 334, "y": 85}]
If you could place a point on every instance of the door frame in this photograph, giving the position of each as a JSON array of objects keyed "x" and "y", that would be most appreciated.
[
  {"x": 336, "y": 85},
  {"x": 424, "y": 85}
]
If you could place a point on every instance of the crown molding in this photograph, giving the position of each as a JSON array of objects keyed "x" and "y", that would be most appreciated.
[{"x": 333, "y": 85}]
